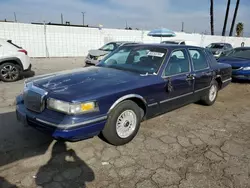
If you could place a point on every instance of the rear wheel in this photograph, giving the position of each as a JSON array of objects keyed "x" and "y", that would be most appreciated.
[
  {"x": 123, "y": 123},
  {"x": 211, "y": 96},
  {"x": 9, "y": 72}
]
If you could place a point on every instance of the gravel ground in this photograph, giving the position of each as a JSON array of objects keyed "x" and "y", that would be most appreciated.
[{"x": 192, "y": 147}]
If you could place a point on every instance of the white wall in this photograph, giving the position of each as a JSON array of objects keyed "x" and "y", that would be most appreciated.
[{"x": 61, "y": 41}]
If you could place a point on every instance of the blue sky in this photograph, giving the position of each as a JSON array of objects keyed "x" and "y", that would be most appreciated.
[{"x": 145, "y": 14}]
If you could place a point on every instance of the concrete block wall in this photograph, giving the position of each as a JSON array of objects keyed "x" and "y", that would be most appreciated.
[{"x": 61, "y": 41}]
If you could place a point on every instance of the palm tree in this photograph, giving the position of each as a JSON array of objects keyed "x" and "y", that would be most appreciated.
[
  {"x": 239, "y": 29},
  {"x": 212, "y": 16},
  {"x": 226, "y": 17},
  {"x": 234, "y": 18}
]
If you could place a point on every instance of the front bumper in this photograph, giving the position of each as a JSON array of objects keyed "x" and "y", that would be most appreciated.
[
  {"x": 28, "y": 69},
  {"x": 91, "y": 61},
  {"x": 241, "y": 75},
  {"x": 67, "y": 131}
]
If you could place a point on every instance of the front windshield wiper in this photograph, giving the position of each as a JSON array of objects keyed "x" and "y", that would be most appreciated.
[{"x": 148, "y": 74}]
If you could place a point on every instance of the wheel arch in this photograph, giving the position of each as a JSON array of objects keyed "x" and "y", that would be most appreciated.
[
  {"x": 12, "y": 60},
  {"x": 138, "y": 99},
  {"x": 218, "y": 79}
]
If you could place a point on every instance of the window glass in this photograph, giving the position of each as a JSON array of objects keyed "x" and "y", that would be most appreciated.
[
  {"x": 213, "y": 61},
  {"x": 243, "y": 53},
  {"x": 177, "y": 64},
  {"x": 143, "y": 60},
  {"x": 108, "y": 47},
  {"x": 199, "y": 59}
]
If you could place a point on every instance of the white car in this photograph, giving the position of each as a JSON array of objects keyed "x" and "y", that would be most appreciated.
[
  {"x": 94, "y": 56},
  {"x": 180, "y": 42},
  {"x": 14, "y": 61}
]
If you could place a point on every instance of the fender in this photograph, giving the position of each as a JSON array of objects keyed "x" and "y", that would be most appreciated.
[
  {"x": 17, "y": 60},
  {"x": 129, "y": 96}
]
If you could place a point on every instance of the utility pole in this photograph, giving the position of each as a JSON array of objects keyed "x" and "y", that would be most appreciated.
[
  {"x": 83, "y": 13},
  {"x": 61, "y": 18},
  {"x": 182, "y": 27},
  {"x": 15, "y": 17}
]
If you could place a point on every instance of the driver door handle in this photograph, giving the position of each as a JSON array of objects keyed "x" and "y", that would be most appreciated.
[{"x": 190, "y": 77}]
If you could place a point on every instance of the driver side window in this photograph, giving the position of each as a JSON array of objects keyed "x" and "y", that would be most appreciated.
[{"x": 178, "y": 63}]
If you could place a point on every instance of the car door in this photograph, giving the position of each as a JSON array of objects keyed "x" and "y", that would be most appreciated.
[
  {"x": 202, "y": 72},
  {"x": 178, "y": 81}
]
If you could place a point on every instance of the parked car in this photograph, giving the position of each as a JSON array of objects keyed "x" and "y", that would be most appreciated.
[
  {"x": 94, "y": 56},
  {"x": 113, "y": 97},
  {"x": 180, "y": 42},
  {"x": 13, "y": 61},
  {"x": 239, "y": 59},
  {"x": 219, "y": 49}
]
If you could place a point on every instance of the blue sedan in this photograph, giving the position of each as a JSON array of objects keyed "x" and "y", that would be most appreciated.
[
  {"x": 132, "y": 84},
  {"x": 239, "y": 59}
]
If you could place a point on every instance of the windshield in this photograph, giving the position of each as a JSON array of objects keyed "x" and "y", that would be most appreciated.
[
  {"x": 215, "y": 45},
  {"x": 240, "y": 53},
  {"x": 110, "y": 46},
  {"x": 142, "y": 60},
  {"x": 169, "y": 42}
]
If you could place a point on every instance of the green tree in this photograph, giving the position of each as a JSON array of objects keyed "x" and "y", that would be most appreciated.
[
  {"x": 212, "y": 16},
  {"x": 239, "y": 29},
  {"x": 226, "y": 17}
]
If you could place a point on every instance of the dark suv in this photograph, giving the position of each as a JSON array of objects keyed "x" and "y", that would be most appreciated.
[{"x": 219, "y": 49}]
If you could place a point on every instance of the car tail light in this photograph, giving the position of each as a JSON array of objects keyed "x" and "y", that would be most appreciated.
[{"x": 24, "y": 51}]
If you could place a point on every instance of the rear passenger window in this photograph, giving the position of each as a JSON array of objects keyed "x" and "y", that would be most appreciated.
[
  {"x": 199, "y": 59},
  {"x": 177, "y": 64}
]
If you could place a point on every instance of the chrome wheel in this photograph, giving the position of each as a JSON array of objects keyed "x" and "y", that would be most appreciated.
[
  {"x": 126, "y": 124},
  {"x": 9, "y": 72},
  {"x": 212, "y": 93}
]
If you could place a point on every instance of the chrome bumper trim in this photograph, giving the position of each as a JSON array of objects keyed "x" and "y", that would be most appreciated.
[
  {"x": 67, "y": 126},
  {"x": 227, "y": 80}
]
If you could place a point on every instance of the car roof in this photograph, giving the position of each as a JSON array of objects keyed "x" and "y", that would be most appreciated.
[
  {"x": 172, "y": 46},
  {"x": 220, "y": 43},
  {"x": 124, "y": 42},
  {"x": 173, "y": 40},
  {"x": 3, "y": 40}
]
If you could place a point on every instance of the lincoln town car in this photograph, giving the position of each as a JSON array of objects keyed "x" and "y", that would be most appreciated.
[{"x": 130, "y": 85}]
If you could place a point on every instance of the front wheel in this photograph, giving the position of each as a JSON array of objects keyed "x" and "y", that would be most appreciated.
[
  {"x": 9, "y": 72},
  {"x": 211, "y": 96},
  {"x": 123, "y": 123}
]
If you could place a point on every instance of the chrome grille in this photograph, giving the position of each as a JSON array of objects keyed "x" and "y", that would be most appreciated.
[
  {"x": 33, "y": 101},
  {"x": 34, "y": 98}
]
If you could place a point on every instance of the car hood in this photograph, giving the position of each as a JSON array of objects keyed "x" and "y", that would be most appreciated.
[
  {"x": 86, "y": 82},
  {"x": 98, "y": 52},
  {"x": 233, "y": 61}
]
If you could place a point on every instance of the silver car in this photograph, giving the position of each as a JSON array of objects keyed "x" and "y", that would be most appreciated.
[{"x": 94, "y": 56}]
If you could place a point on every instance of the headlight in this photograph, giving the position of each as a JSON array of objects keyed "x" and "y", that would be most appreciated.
[
  {"x": 246, "y": 68},
  {"x": 71, "y": 108},
  {"x": 101, "y": 57}
]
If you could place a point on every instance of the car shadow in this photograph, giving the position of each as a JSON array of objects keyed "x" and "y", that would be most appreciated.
[
  {"x": 240, "y": 81},
  {"x": 28, "y": 74},
  {"x": 18, "y": 142},
  {"x": 64, "y": 169}
]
